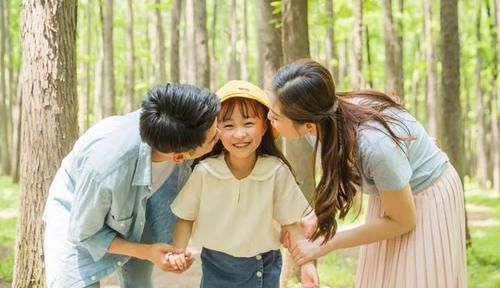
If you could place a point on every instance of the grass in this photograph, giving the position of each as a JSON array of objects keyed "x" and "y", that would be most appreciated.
[{"x": 8, "y": 210}]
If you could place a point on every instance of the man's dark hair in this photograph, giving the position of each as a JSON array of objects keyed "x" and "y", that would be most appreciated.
[{"x": 176, "y": 117}]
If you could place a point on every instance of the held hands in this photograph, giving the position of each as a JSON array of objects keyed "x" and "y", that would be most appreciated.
[
  {"x": 156, "y": 253},
  {"x": 309, "y": 276},
  {"x": 181, "y": 261}
]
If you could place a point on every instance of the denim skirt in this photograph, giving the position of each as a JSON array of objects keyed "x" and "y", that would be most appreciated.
[{"x": 221, "y": 270}]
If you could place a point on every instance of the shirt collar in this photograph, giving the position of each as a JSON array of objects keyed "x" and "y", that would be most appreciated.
[{"x": 264, "y": 168}]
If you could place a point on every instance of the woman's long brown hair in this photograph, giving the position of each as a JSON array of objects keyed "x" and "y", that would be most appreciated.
[{"x": 306, "y": 94}]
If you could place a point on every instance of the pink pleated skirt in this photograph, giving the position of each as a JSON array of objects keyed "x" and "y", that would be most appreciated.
[{"x": 433, "y": 254}]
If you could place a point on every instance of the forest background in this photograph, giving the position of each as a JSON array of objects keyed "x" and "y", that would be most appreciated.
[{"x": 64, "y": 65}]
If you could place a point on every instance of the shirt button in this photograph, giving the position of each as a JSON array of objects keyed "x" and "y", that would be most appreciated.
[
  {"x": 119, "y": 263},
  {"x": 123, "y": 224},
  {"x": 92, "y": 278},
  {"x": 259, "y": 274},
  {"x": 258, "y": 257}
]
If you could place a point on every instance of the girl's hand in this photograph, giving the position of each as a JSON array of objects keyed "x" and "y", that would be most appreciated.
[
  {"x": 181, "y": 261},
  {"x": 309, "y": 276},
  {"x": 306, "y": 251}
]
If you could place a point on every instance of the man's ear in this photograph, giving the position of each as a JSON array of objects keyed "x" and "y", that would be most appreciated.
[
  {"x": 178, "y": 157},
  {"x": 310, "y": 127}
]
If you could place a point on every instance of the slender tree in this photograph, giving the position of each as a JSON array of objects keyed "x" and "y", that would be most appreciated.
[
  {"x": 495, "y": 105},
  {"x": 299, "y": 152},
  {"x": 357, "y": 80},
  {"x": 451, "y": 125},
  {"x": 159, "y": 40},
  {"x": 244, "y": 47},
  {"x": 431, "y": 97},
  {"x": 482, "y": 165},
  {"x": 108, "y": 104},
  {"x": 201, "y": 44},
  {"x": 270, "y": 45},
  {"x": 4, "y": 99},
  {"x": 48, "y": 88},
  {"x": 174, "y": 41},
  {"x": 130, "y": 83},
  {"x": 393, "y": 78},
  {"x": 213, "y": 47},
  {"x": 368, "y": 57},
  {"x": 331, "y": 58},
  {"x": 234, "y": 69}
]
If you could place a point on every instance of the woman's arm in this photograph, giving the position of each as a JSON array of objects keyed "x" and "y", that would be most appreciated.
[{"x": 399, "y": 218}]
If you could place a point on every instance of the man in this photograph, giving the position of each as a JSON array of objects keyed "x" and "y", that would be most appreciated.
[{"x": 96, "y": 213}]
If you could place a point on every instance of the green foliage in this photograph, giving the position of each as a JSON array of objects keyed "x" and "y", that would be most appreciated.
[
  {"x": 484, "y": 256},
  {"x": 8, "y": 211}
]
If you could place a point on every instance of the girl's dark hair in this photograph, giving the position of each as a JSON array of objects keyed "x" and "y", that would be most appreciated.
[
  {"x": 306, "y": 93},
  {"x": 249, "y": 108}
]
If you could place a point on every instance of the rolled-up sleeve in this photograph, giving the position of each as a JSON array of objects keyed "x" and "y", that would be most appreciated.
[{"x": 87, "y": 226}]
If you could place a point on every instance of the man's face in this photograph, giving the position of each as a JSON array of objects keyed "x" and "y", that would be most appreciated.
[{"x": 212, "y": 138}]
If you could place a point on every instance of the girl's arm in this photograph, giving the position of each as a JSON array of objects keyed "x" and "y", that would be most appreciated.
[
  {"x": 182, "y": 233},
  {"x": 399, "y": 218},
  {"x": 308, "y": 274}
]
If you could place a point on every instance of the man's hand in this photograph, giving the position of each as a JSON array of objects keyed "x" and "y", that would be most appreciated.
[{"x": 157, "y": 254}]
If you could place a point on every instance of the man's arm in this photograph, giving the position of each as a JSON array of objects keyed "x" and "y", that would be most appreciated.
[{"x": 154, "y": 253}]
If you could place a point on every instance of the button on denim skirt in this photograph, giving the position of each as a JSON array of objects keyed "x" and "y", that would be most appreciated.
[{"x": 221, "y": 270}]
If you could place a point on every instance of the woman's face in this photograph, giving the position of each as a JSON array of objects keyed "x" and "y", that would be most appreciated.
[{"x": 285, "y": 126}]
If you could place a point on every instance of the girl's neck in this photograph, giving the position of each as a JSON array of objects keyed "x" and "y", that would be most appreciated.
[{"x": 240, "y": 167}]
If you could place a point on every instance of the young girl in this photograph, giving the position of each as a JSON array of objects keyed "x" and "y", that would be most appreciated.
[
  {"x": 238, "y": 197},
  {"x": 414, "y": 235}
]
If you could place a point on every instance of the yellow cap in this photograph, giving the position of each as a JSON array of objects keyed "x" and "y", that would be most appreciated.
[{"x": 244, "y": 89}]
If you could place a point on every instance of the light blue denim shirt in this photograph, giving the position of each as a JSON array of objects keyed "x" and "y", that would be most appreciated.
[{"x": 101, "y": 191}]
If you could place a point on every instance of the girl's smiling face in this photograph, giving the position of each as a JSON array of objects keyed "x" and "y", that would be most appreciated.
[{"x": 241, "y": 125}]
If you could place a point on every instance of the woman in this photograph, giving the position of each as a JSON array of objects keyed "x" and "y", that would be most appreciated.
[{"x": 414, "y": 235}]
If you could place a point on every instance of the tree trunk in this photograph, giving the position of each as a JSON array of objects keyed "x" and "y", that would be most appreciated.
[
  {"x": 4, "y": 99},
  {"x": 108, "y": 108},
  {"x": 201, "y": 44},
  {"x": 49, "y": 92},
  {"x": 482, "y": 165},
  {"x": 331, "y": 58},
  {"x": 130, "y": 82},
  {"x": 451, "y": 124},
  {"x": 161, "y": 77},
  {"x": 450, "y": 130},
  {"x": 357, "y": 81},
  {"x": 233, "y": 71},
  {"x": 244, "y": 47},
  {"x": 495, "y": 128},
  {"x": 174, "y": 41},
  {"x": 213, "y": 49},
  {"x": 393, "y": 79},
  {"x": 298, "y": 152},
  {"x": 16, "y": 134},
  {"x": 270, "y": 45},
  {"x": 431, "y": 74},
  {"x": 190, "y": 58},
  {"x": 368, "y": 57}
]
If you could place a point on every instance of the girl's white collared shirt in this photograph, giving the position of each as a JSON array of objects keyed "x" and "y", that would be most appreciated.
[{"x": 240, "y": 217}]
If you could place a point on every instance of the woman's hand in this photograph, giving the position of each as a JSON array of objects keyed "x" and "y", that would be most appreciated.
[{"x": 306, "y": 251}]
